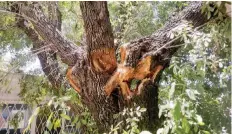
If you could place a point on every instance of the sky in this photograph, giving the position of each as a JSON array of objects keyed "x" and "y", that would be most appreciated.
[{"x": 31, "y": 65}]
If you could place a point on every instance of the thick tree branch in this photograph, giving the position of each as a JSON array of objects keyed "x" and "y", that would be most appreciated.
[
  {"x": 150, "y": 55},
  {"x": 66, "y": 49},
  {"x": 54, "y": 14},
  {"x": 47, "y": 57},
  {"x": 156, "y": 47},
  {"x": 99, "y": 36},
  {"x": 97, "y": 25},
  {"x": 141, "y": 47}
]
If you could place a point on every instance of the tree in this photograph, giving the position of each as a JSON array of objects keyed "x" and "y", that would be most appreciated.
[{"x": 92, "y": 65}]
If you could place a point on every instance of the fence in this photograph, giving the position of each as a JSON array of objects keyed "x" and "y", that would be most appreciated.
[
  {"x": 14, "y": 119},
  {"x": 16, "y": 116}
]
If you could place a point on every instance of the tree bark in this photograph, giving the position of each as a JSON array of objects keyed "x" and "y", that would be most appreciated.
[
  {"x": 93, "y": 66},
  {"x": 99, "y": 36},
  {"x": 67, "y": 50},
  {"x": 47, "y": 57},
  {"x": 92, "y": 81},
  {"x": 154, "y": 45}
]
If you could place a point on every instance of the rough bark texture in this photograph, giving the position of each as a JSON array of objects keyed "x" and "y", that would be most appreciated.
[
  {"x": 67, "y": 50},
  {"x": 92, "y": 84},
  {"x": 92, "y": 67},
  {"x": 47, "y": 57},
  {"x": 99, "y": 36},
  {"x": 97, "y": 25}
]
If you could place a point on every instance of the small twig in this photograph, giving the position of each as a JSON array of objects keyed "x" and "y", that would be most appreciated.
[
  {"x": 153, "y": 53},
  {"x": 43, "y": 47},
  {"x": 176, "y": 46},
  {"x": 199, "y": 27},
  {"x": 175, "y": 39},
  {"x": 5, "y": 11}
]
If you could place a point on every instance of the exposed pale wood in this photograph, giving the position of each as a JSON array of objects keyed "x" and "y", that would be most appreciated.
[
  {"x": 103, "y": 60},
  {"x": 71, "y": 80}
]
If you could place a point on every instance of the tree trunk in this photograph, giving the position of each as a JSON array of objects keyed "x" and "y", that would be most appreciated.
[
  {"x": 92, "y": 83},
  {"x": 92, "y": 67}
]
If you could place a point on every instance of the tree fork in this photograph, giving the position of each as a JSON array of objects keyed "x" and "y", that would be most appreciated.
[
  {"x": 100, "y": 41},
  {"x": 92, "y": 69}
]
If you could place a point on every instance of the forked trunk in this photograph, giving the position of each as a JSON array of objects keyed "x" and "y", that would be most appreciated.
[{"x": 91, "y": 67}]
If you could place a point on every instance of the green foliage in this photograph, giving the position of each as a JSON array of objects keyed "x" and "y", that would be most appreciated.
[
  {"x": 33, "y": 89},
  {"x": 54, "y": 112},
  {"x": 128, "y": 121},
  {"x": 15, "y": 120},
  {"x": 197, "y": 81},
  {"x": 72, "y": 23},
  {"x": 131, "y": 20},
  {"x": 83, "y": 120},
  {"x": 10, "y": 34},
  {"x": 15, "y": 43},
  {"x": 165, "y": 9},
  {"x": 215, "y": 9}
]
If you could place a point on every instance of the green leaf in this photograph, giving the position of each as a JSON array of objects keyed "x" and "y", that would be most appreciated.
[
  {"x": 36, "y": 112},
  {"x": 220, "y": 16},
  {"x": 185, "y": 125},
  {"x": 177, "y": 111},
  {"x": 78, "y": 125},
  {"x": 46, "y": 132},
  {"x": 160, "y": 131},
  {"x": 50, "y": 102},
  {"x": 84, "y": 122},
  {"x": 57, "y": 124},
  {"x": 143, "y": 110},
  {"x": 211, "y": 9},
  {"x": 50, "y": 116},
  {"x": 208, "y": 15},
  {"x": 205, "y": 132},
  {"x": 191, "y": 94},
  {"x": 49, "y": 125},
  {"x": 195, "y": 129},
  {"x": 175, "y": 70},
  {"x": 66, "y": 98},
  {"x": 133, "y": 84},
  {"x": 179, "y": 130},
  {"x": 160, "y": 111},
  {"x": 199, "y": 120},
  {"x": 172, "y": 90},
  {"x": 138, "y": 113},
  {"x": 203, "y": 8},
  {"x": 75, "y": 120},
  {"x": 65, "y": 116}
]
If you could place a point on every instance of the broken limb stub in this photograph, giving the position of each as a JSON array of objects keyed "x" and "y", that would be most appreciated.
[
  {"x": 71, "y": 80},
  {"x": 103, "y": 60},
  {"x": 156, "y": 71},
  {"x": 123, "y": 76}
]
